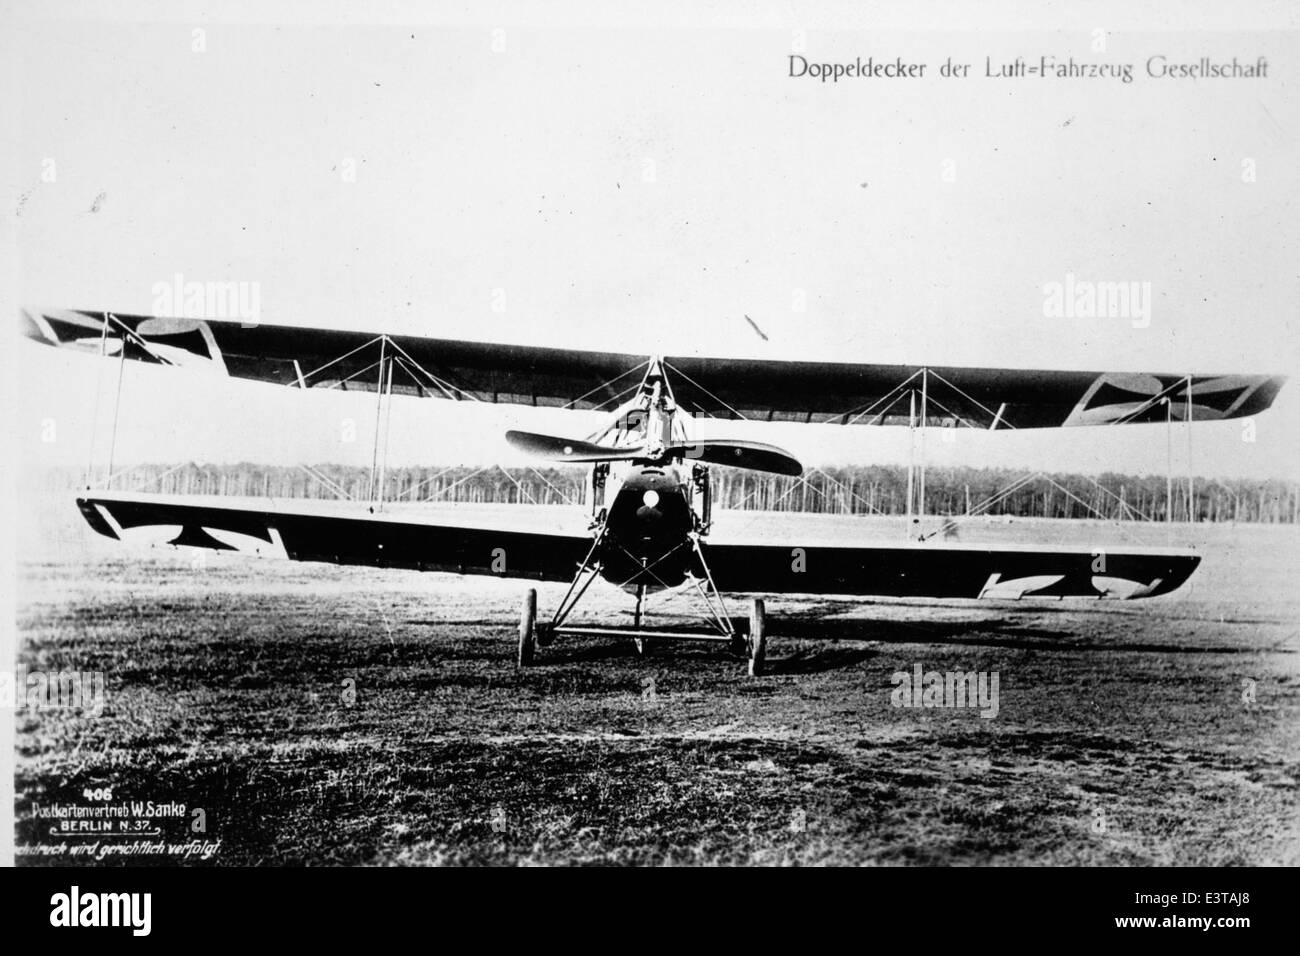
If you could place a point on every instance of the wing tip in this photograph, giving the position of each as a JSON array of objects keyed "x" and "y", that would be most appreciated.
[{"x": 95, "y": 518}]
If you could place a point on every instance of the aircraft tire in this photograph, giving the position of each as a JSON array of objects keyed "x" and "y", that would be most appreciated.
[
  {"x": 757, "y": 642},
  {"x": 528, "y": 628}
]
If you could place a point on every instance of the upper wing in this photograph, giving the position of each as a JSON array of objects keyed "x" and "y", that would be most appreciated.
[
  {"x": 852, "y": 394},
  {"x": 321, "y": 358},
  {"x": 833, "y": 392},
  {"x": 305, "y": 532},
  {"x": 948, "y": 571}
]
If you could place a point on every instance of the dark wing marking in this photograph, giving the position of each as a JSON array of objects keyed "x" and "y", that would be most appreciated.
[{"x": 946, "y": 572}]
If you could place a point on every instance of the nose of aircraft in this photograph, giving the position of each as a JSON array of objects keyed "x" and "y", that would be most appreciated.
[{"x": 649, "y": 511}]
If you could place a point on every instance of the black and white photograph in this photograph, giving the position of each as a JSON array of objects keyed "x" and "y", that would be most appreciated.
[{"x": 723, "y": 434}]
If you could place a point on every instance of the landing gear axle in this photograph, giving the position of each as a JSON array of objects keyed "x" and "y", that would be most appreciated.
[{"x": 753, "y": 645}]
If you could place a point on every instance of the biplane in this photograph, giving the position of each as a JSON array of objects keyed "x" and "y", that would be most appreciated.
[{"x": 649, "y": 484}]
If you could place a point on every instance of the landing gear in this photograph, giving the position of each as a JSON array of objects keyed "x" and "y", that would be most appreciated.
[
  {"x": 756, "y": 643},
  {"x": 751, "y": 642},
  {"x": 528, "y": 628},
  {"x": 639, "y": 641},
  {"x": 534, "y": 634}
]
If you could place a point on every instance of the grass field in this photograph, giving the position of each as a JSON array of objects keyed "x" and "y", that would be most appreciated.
[{"x": 1122, "y": 735}]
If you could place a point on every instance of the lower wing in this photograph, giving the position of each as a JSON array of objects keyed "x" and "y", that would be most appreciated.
[
  {"x": 949, "y": 571},
  {"x": 307, "y": 531}
]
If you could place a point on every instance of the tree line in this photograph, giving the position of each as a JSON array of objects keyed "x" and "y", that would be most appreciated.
[{"x": 854, "y": 489}]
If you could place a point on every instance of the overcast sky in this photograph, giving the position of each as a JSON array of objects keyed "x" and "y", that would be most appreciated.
[{"x": 642, "y": 189}]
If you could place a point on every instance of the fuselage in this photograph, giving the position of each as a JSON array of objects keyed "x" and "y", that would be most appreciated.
[{"x": 649, "y": 528}]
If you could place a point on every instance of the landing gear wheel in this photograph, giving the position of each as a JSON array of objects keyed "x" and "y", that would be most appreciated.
[
  {"x": 636, "y": 619},
  {"x": 545, "y": 635},
  {"x": 528, "y": 628},
  {"x": 756, "y": 644}
]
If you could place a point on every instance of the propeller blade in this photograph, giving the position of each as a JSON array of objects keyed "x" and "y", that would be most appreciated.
[
  {"x": 753, "y": 455},
  {"x": 570, "y": 449}
]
